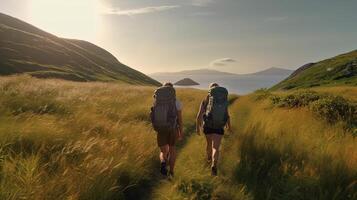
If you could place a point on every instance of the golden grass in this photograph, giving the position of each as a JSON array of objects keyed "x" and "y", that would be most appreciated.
[
  {"x": 347, "y": 92},
  {"x": 65, "y": 140},
  {"x": 291, "y": 154}
]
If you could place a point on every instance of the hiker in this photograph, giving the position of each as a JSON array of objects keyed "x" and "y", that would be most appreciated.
[
  {"x": 166, "y": 117},
  {"x": 213, "y": 117}
]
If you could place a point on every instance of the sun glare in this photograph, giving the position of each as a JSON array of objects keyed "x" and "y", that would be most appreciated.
[{"x": 66, "y": 18}]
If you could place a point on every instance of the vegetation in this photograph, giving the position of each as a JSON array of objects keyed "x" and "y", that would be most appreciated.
[
  {"x": 70, "y": 140},
  {"x": 340, "y": 70},
  {"x": 291, "y": 154},
  {"x": 26, "y": 49},
  {"x": 332, "y": 108},
  {"x": 64, "y": 140}
]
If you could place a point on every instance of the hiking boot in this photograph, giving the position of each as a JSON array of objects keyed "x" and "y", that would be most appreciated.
[
  {"x": 214, "y": 171},
  {"x": 163, "y": 169}
]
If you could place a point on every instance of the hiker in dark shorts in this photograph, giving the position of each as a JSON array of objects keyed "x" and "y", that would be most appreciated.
[
  {"x": 166, "y": 117},
  {"x": 213, "y": 117}
]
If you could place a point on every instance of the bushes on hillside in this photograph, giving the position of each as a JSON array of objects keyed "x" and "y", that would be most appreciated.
[
  {"x": 329, "y": 107},
  {"x": 297, "y": 99},
  {"x": 334, "y": 108}
]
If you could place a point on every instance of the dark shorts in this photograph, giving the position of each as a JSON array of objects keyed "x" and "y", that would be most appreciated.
[
  {"x": 166, "y": 138},
  {"x": 208, "y": 131}
]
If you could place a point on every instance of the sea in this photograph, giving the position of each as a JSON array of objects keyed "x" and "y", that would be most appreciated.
[{"x": 236, "y": 84}]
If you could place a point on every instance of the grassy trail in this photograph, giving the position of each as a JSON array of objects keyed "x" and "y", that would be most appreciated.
[
  {"x": 193, "y": 180},
  {"x": 65, "y": 140},
  {"x": 271, "y": 155}
]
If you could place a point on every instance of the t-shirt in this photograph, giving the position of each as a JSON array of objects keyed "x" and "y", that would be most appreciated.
[{"x": 178, "y": 105}]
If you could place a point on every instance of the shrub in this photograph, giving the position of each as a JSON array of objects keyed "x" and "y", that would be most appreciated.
[
  {"x": 297, "y": 99},
  {"x": 335, "y": 108},
  {"x": 329, "y": 107}
]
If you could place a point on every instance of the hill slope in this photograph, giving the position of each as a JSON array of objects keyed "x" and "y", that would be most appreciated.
[
  {"x": 339, "y": 70},
  {"x": 27, "y": 49},
  {"x": 274, "y": 71}
]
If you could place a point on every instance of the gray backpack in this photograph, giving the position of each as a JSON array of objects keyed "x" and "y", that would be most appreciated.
[
  {"x": 216, "y": 114},
  {"x": 163, "y": 112}
]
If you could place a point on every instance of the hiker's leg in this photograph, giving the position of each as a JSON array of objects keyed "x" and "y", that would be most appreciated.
[
  {"x": 209, "y": 146},
  {"x": 164, "y": 153},
  {"x": 172, "y": 157},
  {"x": 215, "y": 151}
]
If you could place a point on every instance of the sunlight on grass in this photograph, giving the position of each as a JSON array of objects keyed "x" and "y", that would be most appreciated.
[{"x": 64, "y": 140}]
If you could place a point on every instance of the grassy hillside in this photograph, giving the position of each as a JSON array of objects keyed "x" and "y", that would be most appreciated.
[
  {"x": 70, "y": 140},
  {"x": 339, "y": 70},
  {"x": 67, "y": 140},
  {"x": 26, "y": 49},
  {"x": 274, "y": 153}
]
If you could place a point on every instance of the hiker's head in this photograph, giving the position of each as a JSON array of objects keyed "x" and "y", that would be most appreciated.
[
  {"x": 212, "y": 85},
  {"x": 168, "y": 84}
]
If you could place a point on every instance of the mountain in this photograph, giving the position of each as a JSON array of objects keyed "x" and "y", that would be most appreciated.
[
  {"x": 274, "y": 71},
  {"x": 339, "y": 70},
  {"x": 235, "y": 83},
  {"x": 209, "y": 72},
  {"x": 27, "y": 49},
  {"x": 186, "y": 82},
  {"x": 202, "y": 72}
]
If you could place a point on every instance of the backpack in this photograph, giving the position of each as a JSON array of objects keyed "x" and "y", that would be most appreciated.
[
  {"x": 163, "y": 112},
  {"x": 216, "y": 114}
]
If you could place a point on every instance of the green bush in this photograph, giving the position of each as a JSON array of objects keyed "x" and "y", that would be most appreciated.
[
  {"x": 297, "y": 99},
  {"x": 329, "y": 107},
  {"x": 335, "y": 108}
]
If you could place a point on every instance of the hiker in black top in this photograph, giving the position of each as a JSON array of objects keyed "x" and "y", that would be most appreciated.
[{"x": 213, "y": 117}]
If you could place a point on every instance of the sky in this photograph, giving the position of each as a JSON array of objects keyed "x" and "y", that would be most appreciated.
[{"x": 239, "y": 36}]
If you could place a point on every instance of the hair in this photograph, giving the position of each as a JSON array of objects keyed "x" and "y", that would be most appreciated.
[
  {"x": 168, "y": 84},
  {"x": 212, "y": 85}
]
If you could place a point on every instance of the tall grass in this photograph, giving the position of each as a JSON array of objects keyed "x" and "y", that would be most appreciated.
[
  {"x": 290, "y": 154},
  {"x": 65, "y": 140}
]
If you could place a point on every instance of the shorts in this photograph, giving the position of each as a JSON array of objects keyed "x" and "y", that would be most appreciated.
[
  {"x": 207, "y": 131},
  {"x": 166, "y": 138}
]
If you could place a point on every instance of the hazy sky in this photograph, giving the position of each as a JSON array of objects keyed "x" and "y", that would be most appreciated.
[{"x": 238, "y": 36}]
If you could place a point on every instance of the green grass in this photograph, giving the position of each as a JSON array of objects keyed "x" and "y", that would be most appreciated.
[
  {"x": 336, "y": 71},
  {"x": 291, "y": 154},
  {"x": 65, "y": 140},
  {"x": 72, "y": 140}
]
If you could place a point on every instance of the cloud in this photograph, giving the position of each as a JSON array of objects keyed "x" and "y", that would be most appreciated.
[
  {"x": 275, "y": 19},
  {"x": 222, "y": 62},
  {"x": 140, "y": 11},
  {"x": 201, "y": 2}
]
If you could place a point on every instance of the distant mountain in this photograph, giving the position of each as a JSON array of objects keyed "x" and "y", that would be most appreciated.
[
  {"x": 27, "y": 49},
  {"x": 209, "y": 72},
  {"x": 339, "y": 70},
  {"x": 235, "y": 83},
  {"x": 202, "y": 72},
  {"x": 274, "y": 71},
  {"x": 186, "y": 82}
]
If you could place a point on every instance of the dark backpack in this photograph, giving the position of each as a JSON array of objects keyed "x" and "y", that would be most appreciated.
[
  {"x": 216, "y": 114},
  {"x": 163, "y": 112}
]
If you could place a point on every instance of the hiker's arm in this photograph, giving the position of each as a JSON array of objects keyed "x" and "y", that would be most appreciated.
[
  {"x": 180, "y": 123},
  {"x": 199, "y": 119}
]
